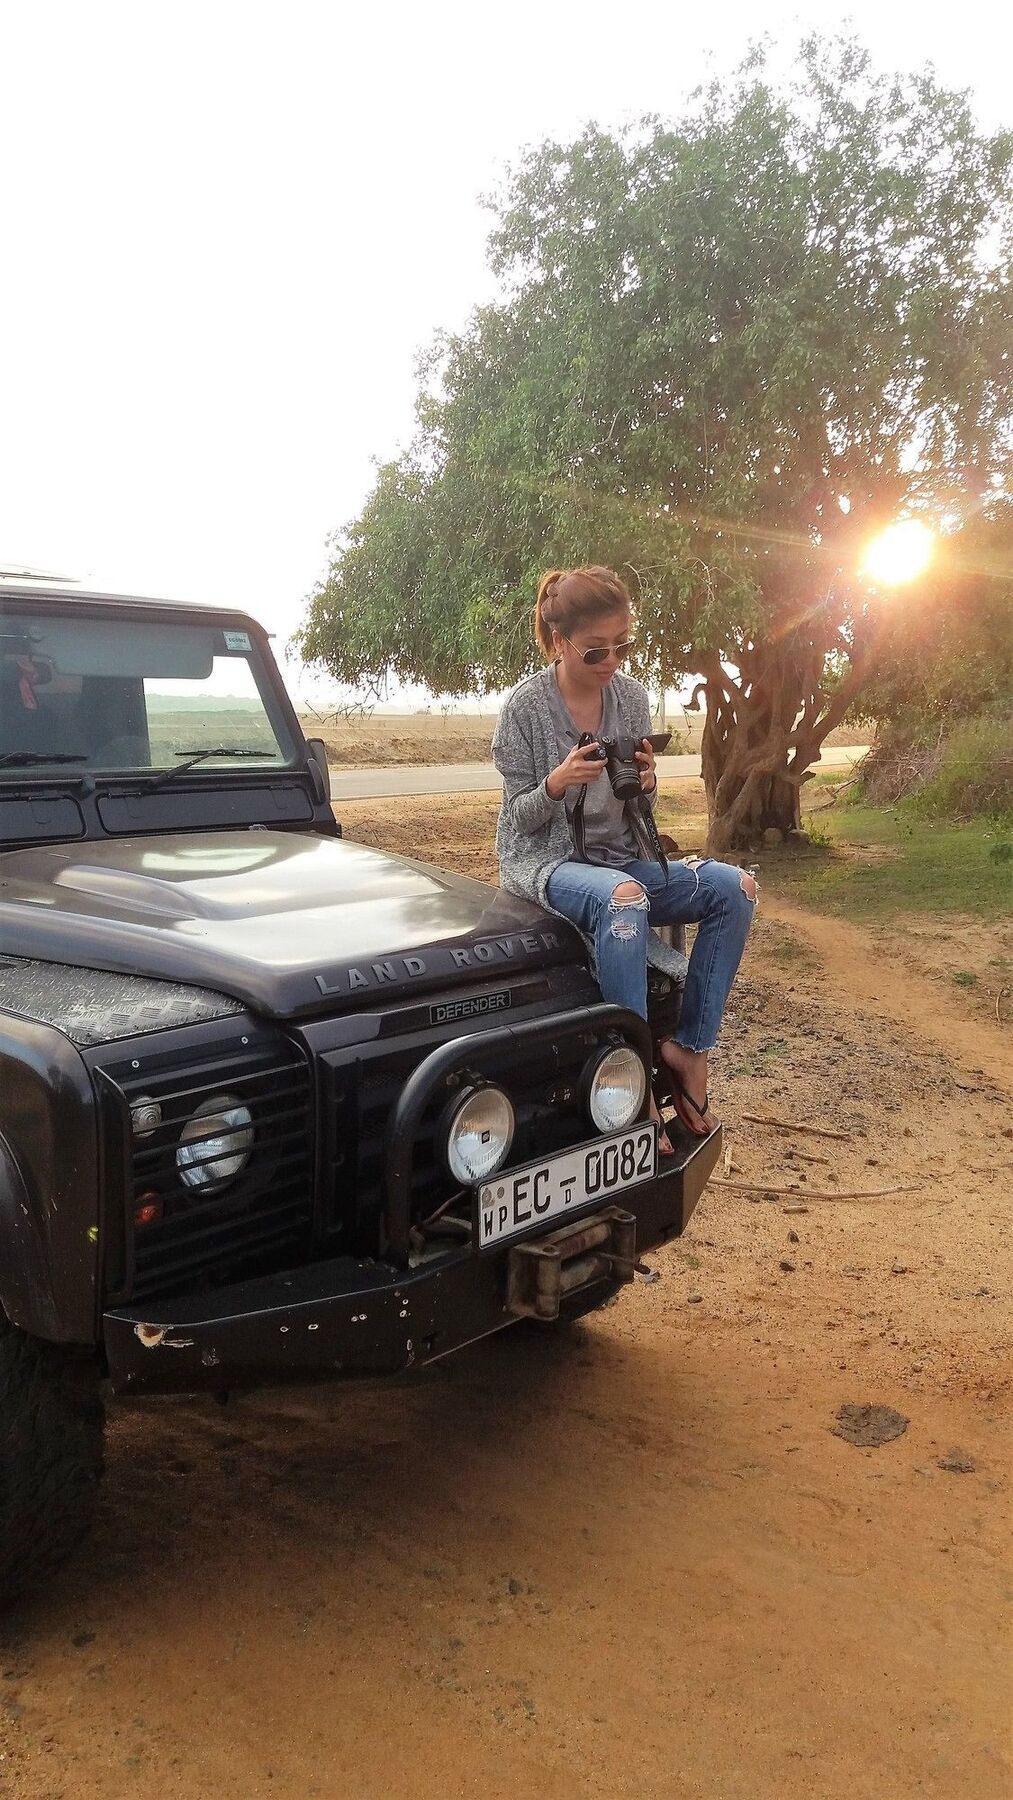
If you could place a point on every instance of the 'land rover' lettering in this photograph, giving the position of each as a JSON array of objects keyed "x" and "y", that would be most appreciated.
[{"x": 389, "y": 968}]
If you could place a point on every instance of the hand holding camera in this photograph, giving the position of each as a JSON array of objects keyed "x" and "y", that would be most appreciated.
[
  {"x": 648, "y": 772},
  {"x": 628, "y": 760},
  {"x": 584, "y": 764}
]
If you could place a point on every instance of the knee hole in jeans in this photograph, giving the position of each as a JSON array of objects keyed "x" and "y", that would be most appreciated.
[
  {"x": 627, "y": 898},
  {"x": 727, "y": 881}
]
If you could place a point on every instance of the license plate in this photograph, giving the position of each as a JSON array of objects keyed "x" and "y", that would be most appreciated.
[{"x": 512, "y": 1204}]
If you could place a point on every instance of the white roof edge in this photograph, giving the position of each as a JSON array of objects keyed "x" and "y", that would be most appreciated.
[{"x": 48, "y": 588}]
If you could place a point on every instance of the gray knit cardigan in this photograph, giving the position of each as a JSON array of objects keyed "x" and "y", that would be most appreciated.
[{"x": 533, "y": 832}]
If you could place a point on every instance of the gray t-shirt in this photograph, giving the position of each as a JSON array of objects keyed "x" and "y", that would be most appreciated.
[{"x": 608, "y": 839}]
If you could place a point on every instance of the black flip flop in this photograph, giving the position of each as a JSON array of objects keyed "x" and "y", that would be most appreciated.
[
  {"x": 679, "y": 1094},
  {"x": 665, "y": 1144}
]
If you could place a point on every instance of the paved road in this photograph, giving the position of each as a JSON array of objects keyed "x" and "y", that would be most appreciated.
[{"x": 472, "y": 778}]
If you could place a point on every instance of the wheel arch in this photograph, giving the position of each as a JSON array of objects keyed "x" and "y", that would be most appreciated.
[
  {"x": 26, "y": 1287},
  {"x": 49, "y": 1177}
]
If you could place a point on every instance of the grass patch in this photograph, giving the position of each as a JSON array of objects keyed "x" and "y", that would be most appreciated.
[
  {"x": 764, "y": 1060},
  {"x": 881, "y": 861},
  {"x": 682, "y": 813},
  {"x": 790, "y": 952}
]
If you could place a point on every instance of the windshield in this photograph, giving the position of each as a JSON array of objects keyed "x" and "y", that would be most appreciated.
[{"x": 80, "y": 694}]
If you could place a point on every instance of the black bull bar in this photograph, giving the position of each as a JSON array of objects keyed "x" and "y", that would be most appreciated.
[{"x": 349, "y": 1316}]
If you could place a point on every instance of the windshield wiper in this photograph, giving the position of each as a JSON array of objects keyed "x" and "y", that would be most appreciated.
[
  {"x": 31, "y": 759},
  {"x": 202, "y": 756}
]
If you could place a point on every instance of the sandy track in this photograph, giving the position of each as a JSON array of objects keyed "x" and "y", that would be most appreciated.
[
  {"x": 891, "y": 991},
  {"x": 632, "y": 1560}
]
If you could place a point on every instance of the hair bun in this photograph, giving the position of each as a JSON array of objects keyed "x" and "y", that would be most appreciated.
[{"x": 547, "y": 584}]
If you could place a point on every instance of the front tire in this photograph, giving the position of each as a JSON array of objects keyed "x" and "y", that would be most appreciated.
[{"x": 51, "y": 1430}]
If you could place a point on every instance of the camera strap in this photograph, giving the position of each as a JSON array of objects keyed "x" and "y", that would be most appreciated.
[
  {"x": 640, "y": 819},
  {"x": 577, "y": 827}
]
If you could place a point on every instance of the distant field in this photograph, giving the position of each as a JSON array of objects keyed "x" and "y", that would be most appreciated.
[
  {"x": 420, "y": 740},
  {"x": 405, "y": 740}
]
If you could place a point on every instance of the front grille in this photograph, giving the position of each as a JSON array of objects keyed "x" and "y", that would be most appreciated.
[{"x": 264, "y": 1218}]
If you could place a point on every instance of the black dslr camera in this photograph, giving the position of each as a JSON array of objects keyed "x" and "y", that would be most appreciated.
[{"x": 620, "y": 758}]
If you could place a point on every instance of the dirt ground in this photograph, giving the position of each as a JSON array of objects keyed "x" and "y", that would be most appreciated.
[{"x": 631, "y": 1559}]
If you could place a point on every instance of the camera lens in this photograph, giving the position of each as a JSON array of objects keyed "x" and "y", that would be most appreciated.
[{"x": 623, "y": 768}]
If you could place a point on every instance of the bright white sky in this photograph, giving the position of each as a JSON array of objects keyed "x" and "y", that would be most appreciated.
[{"x": 227, "y": 227}]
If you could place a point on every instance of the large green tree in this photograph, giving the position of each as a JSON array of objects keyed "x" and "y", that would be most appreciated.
[{"x": 726, "y": 350}]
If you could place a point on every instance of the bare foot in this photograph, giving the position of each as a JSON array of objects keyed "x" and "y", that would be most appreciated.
[{"x": 690, "y": 1087}]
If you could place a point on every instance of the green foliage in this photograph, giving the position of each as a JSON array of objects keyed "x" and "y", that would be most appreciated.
[
  {"x": 714, "y": 335},
  {"x": 974, "y": 774},
  {"x": 963, "y": 770}
]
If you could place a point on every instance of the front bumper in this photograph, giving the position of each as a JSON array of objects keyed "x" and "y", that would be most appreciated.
[{"x": 345, "y": 1317}]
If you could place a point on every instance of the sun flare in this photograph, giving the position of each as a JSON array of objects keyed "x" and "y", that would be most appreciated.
[{"x": 898, "y": 554}]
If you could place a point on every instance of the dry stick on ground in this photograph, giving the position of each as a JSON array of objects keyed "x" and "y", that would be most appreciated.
[
  {"x": 804, "y": 1156},
  {"x": 794, "y": 1193},
  {"x": 793, "y": 1125},
  {"x": 999, "y": 995}
]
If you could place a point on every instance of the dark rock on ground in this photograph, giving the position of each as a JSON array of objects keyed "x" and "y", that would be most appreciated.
[
  {"x": 957, "y": 1462},
  {"x": 869, "y": 1426}
]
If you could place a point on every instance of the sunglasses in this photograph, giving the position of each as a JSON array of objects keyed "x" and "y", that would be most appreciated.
[{"x": 601, "y": 652}]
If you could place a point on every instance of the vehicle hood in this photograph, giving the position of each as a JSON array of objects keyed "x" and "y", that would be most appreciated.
[{"x": 289, "y": 924}]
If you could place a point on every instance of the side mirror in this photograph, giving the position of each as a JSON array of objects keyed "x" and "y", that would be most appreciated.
[{"x": 320, "y": 775}]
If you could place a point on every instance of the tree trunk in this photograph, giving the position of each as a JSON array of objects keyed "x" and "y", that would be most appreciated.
[
  {"x": 762, "y": 732},
  {"x": 757, "y": 802}
]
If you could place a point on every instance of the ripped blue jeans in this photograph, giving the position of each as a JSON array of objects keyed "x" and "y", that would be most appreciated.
[{"x": 712, "y": 895}]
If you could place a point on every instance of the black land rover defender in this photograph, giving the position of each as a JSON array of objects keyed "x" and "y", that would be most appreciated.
[{"x": 273, "y": 1105}]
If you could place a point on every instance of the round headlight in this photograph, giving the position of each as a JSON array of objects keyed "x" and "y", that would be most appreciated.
[
  {"x": 215, "y": 1143},
  {"x": 616, "y": 1089},
  {"x": 480, "y": 1131}
]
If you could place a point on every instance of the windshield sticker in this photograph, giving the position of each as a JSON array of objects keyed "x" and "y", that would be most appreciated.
[{"x": 237, "y": 640}]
